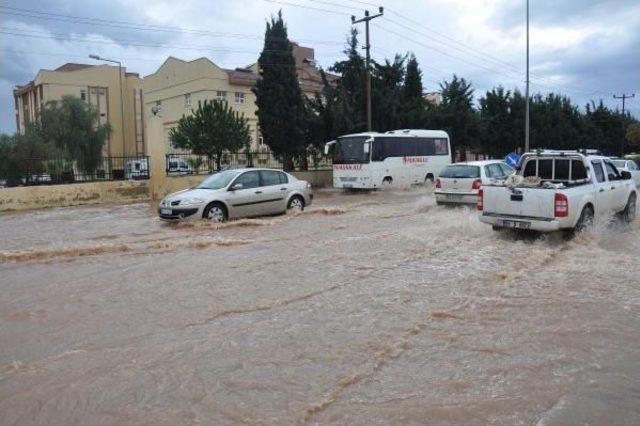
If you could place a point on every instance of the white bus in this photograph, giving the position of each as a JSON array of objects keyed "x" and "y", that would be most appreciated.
[{"x": 398, "y": 157}]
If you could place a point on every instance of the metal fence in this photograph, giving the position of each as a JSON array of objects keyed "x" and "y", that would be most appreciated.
[
  {"x": 58, "y": 170},
  {"x": 180, "y": 163}
]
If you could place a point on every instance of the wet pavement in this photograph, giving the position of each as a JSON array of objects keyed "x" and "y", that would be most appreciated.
[{"x": 377, "y": 308}]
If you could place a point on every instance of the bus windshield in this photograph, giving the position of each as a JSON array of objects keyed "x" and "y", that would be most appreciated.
[{"x": 350, "y": 150}]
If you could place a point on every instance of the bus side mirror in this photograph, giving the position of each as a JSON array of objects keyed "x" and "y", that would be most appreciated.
[
  {"x": 326, "y": 149},
  {"x": 366, "y": 146}
]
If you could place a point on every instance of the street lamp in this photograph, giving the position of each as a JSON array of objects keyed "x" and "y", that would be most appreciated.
[{"x": 98, "y": 58}]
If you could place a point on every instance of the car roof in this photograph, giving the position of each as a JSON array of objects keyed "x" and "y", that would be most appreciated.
[
  {"x": 476, "y": 163},
  {"x": 248, "y": 169}
]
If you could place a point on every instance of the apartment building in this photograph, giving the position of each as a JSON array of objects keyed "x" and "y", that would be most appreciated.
[
  {"x": 177, "y": 87},
  {"x": 98, "y": 85}
]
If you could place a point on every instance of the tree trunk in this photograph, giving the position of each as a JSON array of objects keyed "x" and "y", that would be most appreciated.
[
  {"x": 304, "y": 163},
  {"x": 287, "y": 162}
]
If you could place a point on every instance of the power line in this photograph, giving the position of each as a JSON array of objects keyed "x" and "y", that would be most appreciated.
[
  {"x": 624, "y": 97},
  {"x": 473, "y": 49},
  {"x": 90, "y": 21},
  {"x": 319, "y": 9},
  {"x": 402, "y": 36},
  {"x": 119, "y": 42},
  {"x": 367, "y": 48}
]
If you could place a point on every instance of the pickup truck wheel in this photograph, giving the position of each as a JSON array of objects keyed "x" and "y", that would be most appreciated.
[
  {"x": 629, "y": 212},
  {"x": 586, "y": 219}
]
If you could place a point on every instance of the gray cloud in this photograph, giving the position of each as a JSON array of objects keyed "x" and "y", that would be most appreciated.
[{"x": 598, "y": 53}]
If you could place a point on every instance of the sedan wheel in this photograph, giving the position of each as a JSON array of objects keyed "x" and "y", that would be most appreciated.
[
  {"x": 296, "y": 204},
  {"x": 215, "y": 213}
]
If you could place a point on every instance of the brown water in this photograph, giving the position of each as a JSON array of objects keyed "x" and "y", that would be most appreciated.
[{"x": 366, "y": 309}]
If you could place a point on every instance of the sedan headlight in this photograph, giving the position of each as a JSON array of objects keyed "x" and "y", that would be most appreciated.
[{"x": 191, "y": 201}]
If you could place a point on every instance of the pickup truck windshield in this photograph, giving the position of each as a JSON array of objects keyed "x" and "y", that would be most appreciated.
[{"x": 459, "y": 171}]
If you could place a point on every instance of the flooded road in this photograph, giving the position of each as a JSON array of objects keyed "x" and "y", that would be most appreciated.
[{"x": 374, "y": 308}]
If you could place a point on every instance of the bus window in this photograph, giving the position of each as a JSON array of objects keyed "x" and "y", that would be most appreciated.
[
  {"x": 426, "y": 146},
  {"x": 386, "y": 147},
  {"x": 441, "y": 147},
  {"x": 409, "y": 147}
]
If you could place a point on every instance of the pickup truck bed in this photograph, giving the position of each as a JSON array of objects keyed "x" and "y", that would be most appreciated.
[{"x": 552, "y": 204}]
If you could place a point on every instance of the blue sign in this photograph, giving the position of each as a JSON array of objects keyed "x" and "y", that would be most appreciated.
[{"x": 512, "y": 159}]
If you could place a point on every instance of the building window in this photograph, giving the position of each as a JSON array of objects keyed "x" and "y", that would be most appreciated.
[
  {"x": 187, "y": 100},
  {"x": 83, "y": 95},
  {"x": 239, "y": 97},
  {"x": 221, "y": 95}
]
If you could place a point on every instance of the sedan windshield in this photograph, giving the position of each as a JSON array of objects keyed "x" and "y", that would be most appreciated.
[
  {"x": 350, "y": 151},
  {"x": 218, "y": 180},
  {"x": 460, "y": 171}
]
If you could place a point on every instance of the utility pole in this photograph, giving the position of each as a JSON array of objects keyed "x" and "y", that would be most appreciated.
[
  {"x": 99, "y": 58},
  {"x": 624, "y": 97},
  {"x": 526, "y": 93},
  {"x": 367, "y": 47}
]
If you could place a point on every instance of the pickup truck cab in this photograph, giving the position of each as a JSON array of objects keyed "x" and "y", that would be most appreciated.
[{"x": 554, "y": 190}]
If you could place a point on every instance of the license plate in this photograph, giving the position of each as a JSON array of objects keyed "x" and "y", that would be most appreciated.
[
  {"x": 453, "y": 197},
  {"x": 165, "y": 211},
  {"x": 347, "y": 185},
  {"x": 516, "y": 224}
]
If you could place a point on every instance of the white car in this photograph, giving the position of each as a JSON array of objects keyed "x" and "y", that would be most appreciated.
[
  {"x": 630, "y": 166},
  {"x": 238, "y": 193},
  {"x": 554, "y": 190},
  {"x": 459, "y": 183}
]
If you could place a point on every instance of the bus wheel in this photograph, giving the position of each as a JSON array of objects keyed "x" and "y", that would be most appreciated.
[
  {"x": 428, "y": 180},
  {"x": 386, "y": 182}
]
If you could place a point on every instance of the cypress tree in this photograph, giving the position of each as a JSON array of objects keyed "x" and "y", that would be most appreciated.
[
  {"x": 278, "y": 95},
  {"x": 413, "y": 111}
]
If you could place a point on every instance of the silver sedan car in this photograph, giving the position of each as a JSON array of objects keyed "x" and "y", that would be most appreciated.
[{"x": 238, "y": 193}]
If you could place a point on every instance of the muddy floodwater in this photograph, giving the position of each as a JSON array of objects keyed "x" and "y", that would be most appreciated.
[{"x": 378, "y": 308}]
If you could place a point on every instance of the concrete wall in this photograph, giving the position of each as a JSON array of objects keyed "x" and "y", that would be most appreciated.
[
  {"x": 44, "y": 196},
  {"x": 37, "y": 197}
]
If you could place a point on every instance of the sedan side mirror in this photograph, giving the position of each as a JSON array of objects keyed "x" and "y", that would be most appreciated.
[
  {"x": 625, "y": 175},
  {"x": 236, "y": 186}
]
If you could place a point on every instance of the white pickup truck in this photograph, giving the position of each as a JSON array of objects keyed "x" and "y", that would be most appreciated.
[{"x": 554, "y": 190}]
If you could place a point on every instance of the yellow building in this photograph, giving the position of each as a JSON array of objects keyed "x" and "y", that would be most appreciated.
[
  {"x": 99, "y": 85},
  {"x": 177, "y": 86}
]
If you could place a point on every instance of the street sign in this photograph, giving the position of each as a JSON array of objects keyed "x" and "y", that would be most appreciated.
[{"x": 512, "y": 159}]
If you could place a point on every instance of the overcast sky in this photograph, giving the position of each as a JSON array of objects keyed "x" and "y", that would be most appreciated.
[{"x": 586, "y": 49}]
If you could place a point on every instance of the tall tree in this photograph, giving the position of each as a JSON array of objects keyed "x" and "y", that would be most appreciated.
[
  {"x": 350, "y": 88},
  {"x": 278, "y": 96},
  {"x": 213, "y": 128},
  {"x": 413, "y": 105},
  {"x": 496, "y": 134},
  {"x": 72, "y": 125},
  {"x": 387, "y": 93},
  {"x": 633, "y": 137},
  {"x": 457, "y": 115}
]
